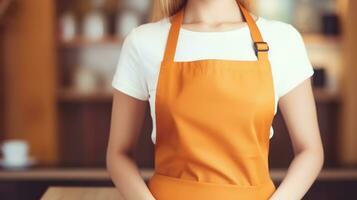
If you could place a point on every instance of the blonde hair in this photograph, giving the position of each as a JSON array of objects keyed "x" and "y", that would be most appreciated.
[{"x": 167, "y": 8}]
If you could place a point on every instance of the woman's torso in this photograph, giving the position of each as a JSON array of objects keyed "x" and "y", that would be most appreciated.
[{"x": 144, "y": 47}]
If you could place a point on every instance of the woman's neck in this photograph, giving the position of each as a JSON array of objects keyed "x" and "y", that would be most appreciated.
[{"x": 212, "y": 12}]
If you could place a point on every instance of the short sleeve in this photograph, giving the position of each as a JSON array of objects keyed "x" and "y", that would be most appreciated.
[
  {"x": 296, "y": 66},
  {"x": 129, "y": 76}
]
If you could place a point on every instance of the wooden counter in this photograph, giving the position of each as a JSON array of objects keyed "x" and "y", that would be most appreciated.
[
  {"x": 88, "y": 193},
  {"x": 102, "y": 174},
  {"x": 111, "y": 193},
  {"x": 77, "y": 183}
]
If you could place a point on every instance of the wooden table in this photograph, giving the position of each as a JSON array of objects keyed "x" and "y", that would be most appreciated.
[{"x": 78, "y": 193}]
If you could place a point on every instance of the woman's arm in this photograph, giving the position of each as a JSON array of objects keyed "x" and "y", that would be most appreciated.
[
  {"x": 299, "y": 112},
  {"x": 128, "y": 114}
]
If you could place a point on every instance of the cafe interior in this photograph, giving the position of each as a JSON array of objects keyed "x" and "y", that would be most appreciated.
[{"x": 57, "y": 61}]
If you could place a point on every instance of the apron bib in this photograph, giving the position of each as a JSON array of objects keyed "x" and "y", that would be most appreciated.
[{"x": 213, "y": 120}]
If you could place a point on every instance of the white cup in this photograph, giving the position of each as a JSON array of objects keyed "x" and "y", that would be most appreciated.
[{"x": 15, "y": 152}]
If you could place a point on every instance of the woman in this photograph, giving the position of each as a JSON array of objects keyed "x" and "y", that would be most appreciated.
[{"x": 213, "y": 74}]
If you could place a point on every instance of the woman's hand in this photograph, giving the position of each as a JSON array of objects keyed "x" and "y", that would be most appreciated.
[
  {"x": 128, "y": 114},
  {"x": 299, "y": 112}
]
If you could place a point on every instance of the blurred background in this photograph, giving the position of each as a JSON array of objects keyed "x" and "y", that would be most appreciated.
[{"x": 57, "y": 60}]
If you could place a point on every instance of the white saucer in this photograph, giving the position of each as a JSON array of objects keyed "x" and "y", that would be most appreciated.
[{"x": 30, "y": 162}]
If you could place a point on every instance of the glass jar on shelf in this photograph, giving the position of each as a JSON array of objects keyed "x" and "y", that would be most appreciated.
[{"x": 85, "y": 79}]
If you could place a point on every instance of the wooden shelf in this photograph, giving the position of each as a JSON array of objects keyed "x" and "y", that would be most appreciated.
[
  {"x": 81, "y": 42},
  {"x": 73, "y": 95},
  {"x": 315, "y": 38},
  {"x": 324, "y": 95}
]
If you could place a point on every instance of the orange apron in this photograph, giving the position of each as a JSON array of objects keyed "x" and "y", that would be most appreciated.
[{"x": 213, "y": 120}]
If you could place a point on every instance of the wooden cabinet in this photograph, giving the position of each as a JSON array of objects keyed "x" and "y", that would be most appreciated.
[{"x": 28, "y": 76}]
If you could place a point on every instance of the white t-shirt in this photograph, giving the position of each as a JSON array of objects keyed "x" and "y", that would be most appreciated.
[{"x": 142, "y": 52}]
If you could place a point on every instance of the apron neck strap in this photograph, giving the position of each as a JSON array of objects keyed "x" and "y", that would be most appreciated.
[
  {"x": 174, "y": 31},
  {"x": 260, "y": 47}
]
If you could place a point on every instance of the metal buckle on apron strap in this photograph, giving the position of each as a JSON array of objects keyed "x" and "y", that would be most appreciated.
[{"x": 260, "y": 46}]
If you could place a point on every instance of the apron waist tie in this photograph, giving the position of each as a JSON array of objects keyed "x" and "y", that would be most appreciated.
[{"x": 171, "y": 188}]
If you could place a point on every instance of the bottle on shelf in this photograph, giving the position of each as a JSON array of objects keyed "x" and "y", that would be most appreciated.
[
  {"x": 126, "y": 21},
  {"x": 68, "y": 26},
  {"x": 130, "y": 15},
  {"x": 95, "y": 22},
  {"x": 330, "y": 19}
]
